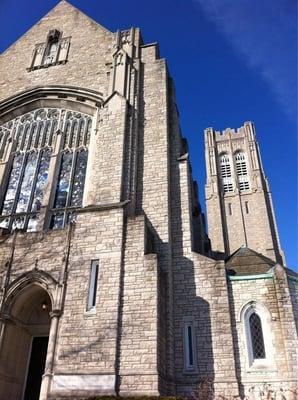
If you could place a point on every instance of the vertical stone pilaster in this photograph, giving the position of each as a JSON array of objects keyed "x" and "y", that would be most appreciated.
[{"x": 48, "y": 372}]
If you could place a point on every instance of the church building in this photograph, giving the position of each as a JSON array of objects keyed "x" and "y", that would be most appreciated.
[{"x": 109, "y": 283}]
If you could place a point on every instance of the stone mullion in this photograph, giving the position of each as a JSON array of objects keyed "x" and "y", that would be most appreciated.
[
  {"x": 50, "y": 191},
  {"x": 70, "y": 187},
  {"x": 27, "y": 217}
]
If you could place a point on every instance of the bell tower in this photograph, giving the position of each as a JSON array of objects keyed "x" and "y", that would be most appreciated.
[{"x": 238, "y": 197}]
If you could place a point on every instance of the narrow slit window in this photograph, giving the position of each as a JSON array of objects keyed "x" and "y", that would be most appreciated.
[
  {"x": 93, "y": 285},
  {"x": 246, "y": 207},
  {"x": 189, "y": 347},
  {"x": 230, "y": 208}
]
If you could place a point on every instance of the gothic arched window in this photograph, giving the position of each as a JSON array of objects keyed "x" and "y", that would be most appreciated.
[
  {"x": 257, "y": 328},
  {"x": 256, "y": 335},
  {"x": 226, "y": 173},
  {"x": 33, "y": 141},
  {"x": 241, "y": 171}
]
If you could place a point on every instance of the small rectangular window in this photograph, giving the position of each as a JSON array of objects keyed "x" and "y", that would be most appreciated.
[
  {"x": 246, "y": 207},
  {"x": 230, "y": 208},
  {"x": 189, "y": 347},
  {"x": 92, "y": 285}
]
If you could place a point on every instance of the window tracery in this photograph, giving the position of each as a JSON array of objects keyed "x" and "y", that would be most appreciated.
[{"x": 34, "y": 138}]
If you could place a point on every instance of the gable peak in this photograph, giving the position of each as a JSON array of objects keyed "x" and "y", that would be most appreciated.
[{"x": 64, "y": 4}]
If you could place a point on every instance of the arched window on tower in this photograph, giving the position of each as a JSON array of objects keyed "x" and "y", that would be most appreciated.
[
  {"x": 241, "y": 171},
  {"x": 226, "y": 173}
]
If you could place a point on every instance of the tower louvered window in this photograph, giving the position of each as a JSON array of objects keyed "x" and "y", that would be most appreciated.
[
  {"x": 226, "y": 173},
  {"x": 256, "y": 334},
  {"x": 241, "y": 171},
  {"x": 33, "y": 138}
]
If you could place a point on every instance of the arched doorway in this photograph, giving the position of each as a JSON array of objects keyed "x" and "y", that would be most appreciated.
[{"x": 24, "y": 344}]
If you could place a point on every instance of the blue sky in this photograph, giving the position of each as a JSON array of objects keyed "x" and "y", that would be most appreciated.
[{"x": 231, "y": 60}]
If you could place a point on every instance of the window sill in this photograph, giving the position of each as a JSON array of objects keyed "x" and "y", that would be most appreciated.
[
  {"x": 190, "y": 371},
  {"x": 261, "y": 371},
  {"x": 261, "y": 366},
  {"x": 90, "y": 313}
]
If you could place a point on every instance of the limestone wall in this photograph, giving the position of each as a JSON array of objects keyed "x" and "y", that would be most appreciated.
[
  {"x": 89, "y": 53},
  {"x": 276, "y": 369}
]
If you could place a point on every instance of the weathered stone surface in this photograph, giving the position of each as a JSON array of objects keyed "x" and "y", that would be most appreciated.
[{"x": 141, "y": 223}]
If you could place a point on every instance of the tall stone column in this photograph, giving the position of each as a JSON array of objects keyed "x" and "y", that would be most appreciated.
[{"x": 48, "y": 373}]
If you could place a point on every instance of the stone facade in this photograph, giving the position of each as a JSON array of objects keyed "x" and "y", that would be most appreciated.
[{"x": 108, "y": 259}]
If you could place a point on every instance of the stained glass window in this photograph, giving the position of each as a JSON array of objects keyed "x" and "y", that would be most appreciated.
[
  {"x": 71, "y": 179},
  {"x": 13, "y": 184},
  {"x": 33, "y": 139},
  {"x": 27, "y": 182},
  {"x": 41, "y": 180},
  {"x": 63, "y": 181},
  {"x": 70, "y": 186},
  {"x": 79, "y": 178}
]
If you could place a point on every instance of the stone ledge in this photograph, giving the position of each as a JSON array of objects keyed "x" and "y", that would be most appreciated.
[{"x": 67, "y": 385}]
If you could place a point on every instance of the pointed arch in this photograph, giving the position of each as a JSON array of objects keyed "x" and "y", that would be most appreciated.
[
  {"x": 41, "y": 125},
  {"x": 35, "y": 277},
  {"x": 256, "y": 321}
]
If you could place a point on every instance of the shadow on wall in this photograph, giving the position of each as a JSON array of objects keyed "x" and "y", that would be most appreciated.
[
  {"x": 179, "y": 302},
  {"x": 190, "y": 303}
]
